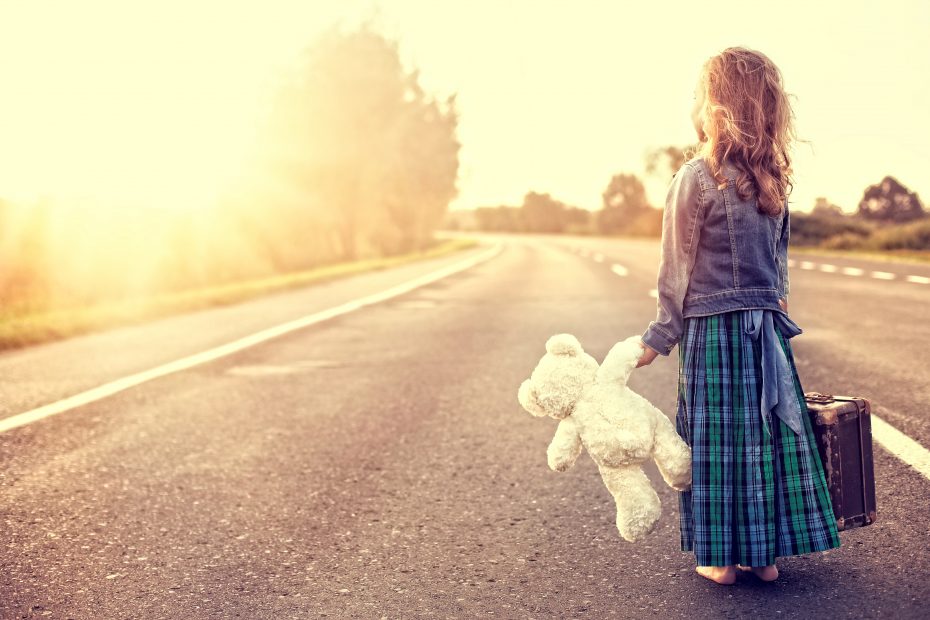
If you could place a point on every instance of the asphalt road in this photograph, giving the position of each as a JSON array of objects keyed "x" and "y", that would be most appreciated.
[{"x": 378, "y": 464}]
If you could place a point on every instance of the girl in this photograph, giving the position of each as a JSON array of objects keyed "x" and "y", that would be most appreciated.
[{"x": 758, "y": 488}]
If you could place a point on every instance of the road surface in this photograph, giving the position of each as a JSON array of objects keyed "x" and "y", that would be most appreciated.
[{"x": 377, "y": 464}]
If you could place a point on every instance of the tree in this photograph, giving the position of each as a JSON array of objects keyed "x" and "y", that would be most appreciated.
[
  {"x": 542, "y": 213},
  {"x": 357, "y": 146},
  {"x": 498, "y": 219},
  {"x": 668, "y": 158},
  {"x": 825, "y": 208},
  {"x": 624, "y": 201},
  {"x": 890, "y": 201}
]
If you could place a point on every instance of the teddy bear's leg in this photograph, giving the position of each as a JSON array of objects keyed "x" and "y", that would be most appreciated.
[
  {"x": 672, "y": 454},
  {"x": 565, "y": 446},
  {"x": 638, "y": 507}
]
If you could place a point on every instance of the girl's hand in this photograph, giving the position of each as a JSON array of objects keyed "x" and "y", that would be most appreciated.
[
  {"x": 649, "y": 354},
  {"x": 784, "y": 304}
]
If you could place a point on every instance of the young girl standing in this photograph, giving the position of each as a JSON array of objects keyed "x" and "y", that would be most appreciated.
[{"x": 758, "y": 488}]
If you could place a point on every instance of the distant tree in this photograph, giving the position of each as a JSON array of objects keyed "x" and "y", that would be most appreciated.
[
  {"x": 624, "y": 201},
  {"x": 668, "y": 159},
  {"x": 890, "y": 201},
  {"x": 543, "y": 213},
  {"x": 356, "y": 147},
  {"x": 502, "y": 218},
  {"x": 825, "y": 208},
  {"x": 577, "y": 220}
]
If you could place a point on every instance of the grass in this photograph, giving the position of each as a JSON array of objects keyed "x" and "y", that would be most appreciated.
[
  {"x": 29, "y": 328},
  {"x": 891, "y": 256}
]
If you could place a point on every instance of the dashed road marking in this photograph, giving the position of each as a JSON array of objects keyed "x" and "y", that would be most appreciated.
[
  {"x": 654, "y": 293},
  {"x": 857, "y": 271},
  {"x": 119, "y": 385},
  {"x": 620, "y": 270}
]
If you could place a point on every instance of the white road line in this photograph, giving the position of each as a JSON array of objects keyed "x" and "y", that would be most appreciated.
[
  {"x": 598, "y": 258},
  {"x": 856, "y": 271},
  {"x": 902, "y": 446},
  {"x": 791, "y": 262},
  {"x": 654, "y": 293},
  {"x": 620, "y": 270},
  {"x": 108, "y": 389}
]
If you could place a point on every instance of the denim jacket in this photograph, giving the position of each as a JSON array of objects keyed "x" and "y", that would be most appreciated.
[{"x": 719, "y": 253}]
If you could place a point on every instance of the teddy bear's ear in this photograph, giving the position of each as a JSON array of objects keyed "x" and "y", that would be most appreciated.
[{"x": 564, "y": 344}]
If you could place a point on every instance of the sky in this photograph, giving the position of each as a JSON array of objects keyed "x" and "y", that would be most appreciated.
[{"x": 130, "y": 102}]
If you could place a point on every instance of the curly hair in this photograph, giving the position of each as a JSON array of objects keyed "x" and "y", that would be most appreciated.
[{"x": 750, "y": 123}]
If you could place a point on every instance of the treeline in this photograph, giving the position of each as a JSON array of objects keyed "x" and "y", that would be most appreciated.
[
  {"x": 353, "y": 160},
  {"x": 625, "y": 211},
  {"x": 888, "y": 217}
]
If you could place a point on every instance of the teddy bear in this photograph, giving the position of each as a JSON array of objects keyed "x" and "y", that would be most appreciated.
[{"x": 619, "y": 428}]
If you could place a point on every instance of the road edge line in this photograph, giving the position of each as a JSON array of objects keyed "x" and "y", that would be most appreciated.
[
  {"x": 119, "y": 385},
  {"x": 907, "y": 450}
]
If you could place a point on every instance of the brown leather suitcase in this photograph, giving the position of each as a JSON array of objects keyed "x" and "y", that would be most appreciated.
[{"x": 843, "y": 427}]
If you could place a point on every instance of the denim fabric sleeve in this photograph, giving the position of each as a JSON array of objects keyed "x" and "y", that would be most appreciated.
[
  {"x": 681, "y": 230},
  {"x": 782, "y": 256}
]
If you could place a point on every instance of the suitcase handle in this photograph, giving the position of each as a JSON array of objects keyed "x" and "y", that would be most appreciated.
[{"x": 820, "y": 399}]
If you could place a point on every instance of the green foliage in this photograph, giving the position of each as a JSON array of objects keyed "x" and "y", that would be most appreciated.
[
  {"x": 823, "y": 224},
  {"x": 910, "y": 236}
]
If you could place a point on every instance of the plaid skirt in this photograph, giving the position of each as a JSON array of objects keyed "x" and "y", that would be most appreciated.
[{"x": 755, "y": 495}]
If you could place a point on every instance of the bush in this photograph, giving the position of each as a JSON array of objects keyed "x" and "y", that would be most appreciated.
[
  {"x": 817, "y": 228},
  {"x": 845, "y": 241},
  {"x": 911, "y": 236}
]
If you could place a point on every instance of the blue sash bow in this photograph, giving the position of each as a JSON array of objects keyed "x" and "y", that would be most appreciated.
[{"x": 778, "y": 392}]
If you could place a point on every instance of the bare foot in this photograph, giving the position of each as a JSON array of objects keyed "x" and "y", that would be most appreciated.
[
  {"x": 724, "y": 575},
  {"x": 765, "y": 573}
]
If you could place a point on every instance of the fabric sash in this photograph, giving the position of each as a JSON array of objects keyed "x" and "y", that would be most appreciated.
[{"x": 778, "y": 391}]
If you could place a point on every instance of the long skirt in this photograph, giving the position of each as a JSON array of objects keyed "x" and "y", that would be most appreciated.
[{"x": 756, "y": 494}]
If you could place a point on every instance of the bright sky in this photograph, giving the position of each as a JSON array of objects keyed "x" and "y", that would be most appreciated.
[{"x": 155, "y": 102}]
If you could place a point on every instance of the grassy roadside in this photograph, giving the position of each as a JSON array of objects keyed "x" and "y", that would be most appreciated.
[
  {"x": 25, "y": 329},
  {"x": 889, "y": 256}
]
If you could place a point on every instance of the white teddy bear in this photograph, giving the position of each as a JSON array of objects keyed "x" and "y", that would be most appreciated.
[{"x": 619, "y": 428}]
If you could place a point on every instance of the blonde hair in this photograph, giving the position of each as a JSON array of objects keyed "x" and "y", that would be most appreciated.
[{"x": 750, "y": 123}]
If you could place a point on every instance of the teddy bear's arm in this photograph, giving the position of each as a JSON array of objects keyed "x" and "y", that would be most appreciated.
[
  {"x": 565, "y": 446},
  {"x": 671, "y": 453}
]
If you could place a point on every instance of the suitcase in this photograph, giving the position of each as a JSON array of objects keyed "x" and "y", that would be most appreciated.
[{"x": 843, "y": 427}]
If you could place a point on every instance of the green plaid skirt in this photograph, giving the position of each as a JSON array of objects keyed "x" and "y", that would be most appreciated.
[{"x": 754, "y": 495}]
